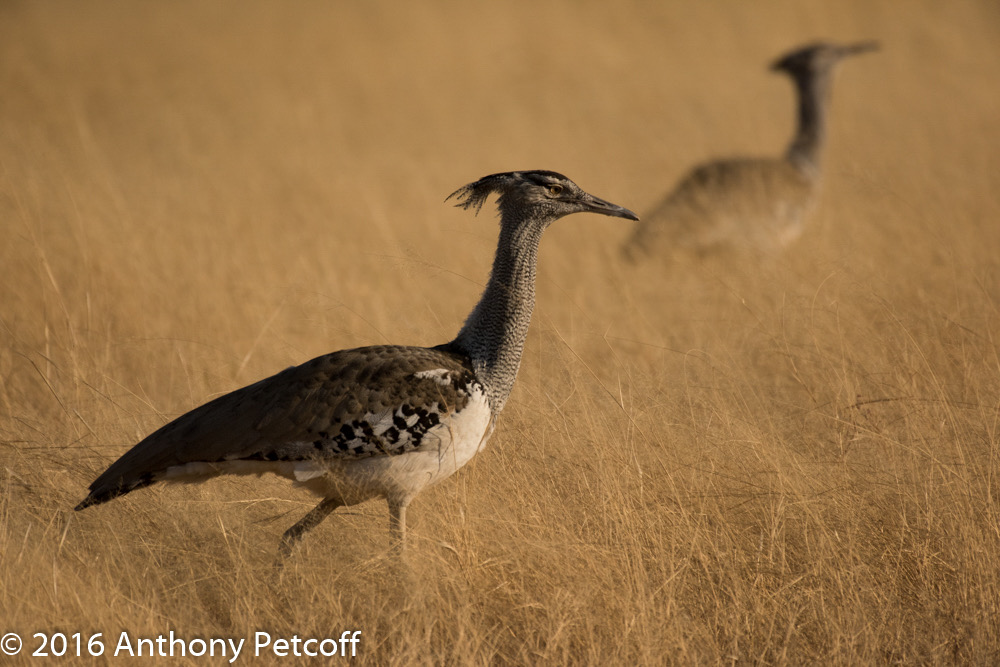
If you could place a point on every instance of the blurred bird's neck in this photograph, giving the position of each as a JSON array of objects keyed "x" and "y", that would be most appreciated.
[{"x": 806, "y": 149}]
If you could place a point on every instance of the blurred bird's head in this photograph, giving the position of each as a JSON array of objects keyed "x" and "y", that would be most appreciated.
[{"x": 818, "y": 58}]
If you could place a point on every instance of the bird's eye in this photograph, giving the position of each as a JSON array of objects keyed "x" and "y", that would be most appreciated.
[{"x": 555, "y": 190}]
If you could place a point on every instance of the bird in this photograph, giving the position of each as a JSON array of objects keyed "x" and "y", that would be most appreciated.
[
  {"x": 756, "y": 204},
  {"x": 382, "y": 421}
]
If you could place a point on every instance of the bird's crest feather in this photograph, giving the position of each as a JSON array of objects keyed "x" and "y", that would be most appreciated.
[{"x": 473, "y": 195}]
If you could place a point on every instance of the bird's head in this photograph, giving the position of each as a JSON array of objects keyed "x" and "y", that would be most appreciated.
[
  {"x": 535, "y": 195},
  {"x": 819, "y": 57}
]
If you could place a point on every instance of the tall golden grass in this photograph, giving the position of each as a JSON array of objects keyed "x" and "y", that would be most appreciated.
[{"x": 786, "y": 462}]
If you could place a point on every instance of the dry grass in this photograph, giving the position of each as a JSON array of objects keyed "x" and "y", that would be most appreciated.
[{"x": 787, "y": 463}]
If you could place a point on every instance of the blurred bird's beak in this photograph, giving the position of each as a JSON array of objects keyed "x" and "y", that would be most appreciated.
[{"x": 859, "y": 47}]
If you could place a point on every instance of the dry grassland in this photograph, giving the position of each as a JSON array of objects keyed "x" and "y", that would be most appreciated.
[{"x": 733, "y": 462}]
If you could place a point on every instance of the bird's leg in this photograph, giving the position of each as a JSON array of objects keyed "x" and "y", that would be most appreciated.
[
  {"x": 397, "y": 524},
  {"x": 306, "y": 523}
]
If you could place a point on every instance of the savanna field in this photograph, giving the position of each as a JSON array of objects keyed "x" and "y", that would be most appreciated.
[{"x": 790, "y": 460}]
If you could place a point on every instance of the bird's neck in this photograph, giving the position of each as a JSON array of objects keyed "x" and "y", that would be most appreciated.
[
  {"x": 493, "y": 335},
  {"x": 806, "y": 149}
]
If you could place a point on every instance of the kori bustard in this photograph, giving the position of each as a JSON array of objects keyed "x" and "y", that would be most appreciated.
[{"x": 383, "y": 421}]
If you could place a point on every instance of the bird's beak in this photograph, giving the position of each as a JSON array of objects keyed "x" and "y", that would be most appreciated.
[
  {"x": 859, "y": 47},
  {"x": 596, "y": 205}
]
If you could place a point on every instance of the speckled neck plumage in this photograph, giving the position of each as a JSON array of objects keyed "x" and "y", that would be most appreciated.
[
  {"x": 806, "y": 148},
  {"x": 493, "y": 335}
]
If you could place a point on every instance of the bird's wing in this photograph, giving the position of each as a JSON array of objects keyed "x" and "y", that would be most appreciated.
[{"x": 372, "y": 401}]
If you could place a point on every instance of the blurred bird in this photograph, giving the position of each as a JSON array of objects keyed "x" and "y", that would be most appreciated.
[{"x": 752, "y": 203}]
